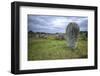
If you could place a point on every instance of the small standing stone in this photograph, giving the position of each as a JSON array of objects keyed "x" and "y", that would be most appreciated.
[{"x": 72, "y": 33}]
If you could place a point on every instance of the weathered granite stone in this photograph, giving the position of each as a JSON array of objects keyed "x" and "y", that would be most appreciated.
[{"x": 72, "y": 32}]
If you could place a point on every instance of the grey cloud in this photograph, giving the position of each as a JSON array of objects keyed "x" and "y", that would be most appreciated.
[{"x": 46, "y": 23}]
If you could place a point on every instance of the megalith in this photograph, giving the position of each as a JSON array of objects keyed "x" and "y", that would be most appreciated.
[{"x": 72, "y": 33}]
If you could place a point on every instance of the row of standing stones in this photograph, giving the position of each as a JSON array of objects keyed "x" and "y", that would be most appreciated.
[{"x": 71, "y": 35}]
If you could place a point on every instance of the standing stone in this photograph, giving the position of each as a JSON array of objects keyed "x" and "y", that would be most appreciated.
[{"x": 72, "y": 33}]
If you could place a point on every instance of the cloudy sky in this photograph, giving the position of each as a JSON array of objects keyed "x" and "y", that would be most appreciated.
[{"x": 55, "y": 24}]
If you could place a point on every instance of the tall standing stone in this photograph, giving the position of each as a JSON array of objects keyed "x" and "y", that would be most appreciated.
[{"x": 72, "y": 32}]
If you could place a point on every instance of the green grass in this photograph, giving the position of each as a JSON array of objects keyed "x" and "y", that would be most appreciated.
[{"x": 50, "y": 49}]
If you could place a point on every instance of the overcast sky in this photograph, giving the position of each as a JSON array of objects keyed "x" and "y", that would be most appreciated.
[{"x": 55, "y": 24}]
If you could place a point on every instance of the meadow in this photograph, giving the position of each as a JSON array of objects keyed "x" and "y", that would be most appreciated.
[{"x": 52, "y": 49}]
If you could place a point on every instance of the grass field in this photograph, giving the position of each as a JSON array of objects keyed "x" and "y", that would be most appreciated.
[{"x": 50, "y": 49}]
